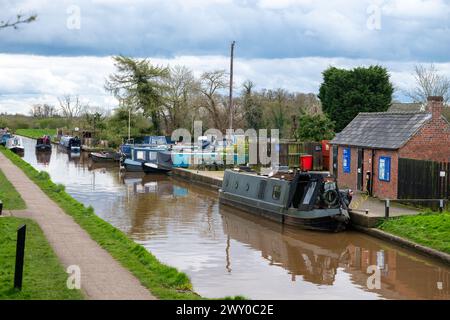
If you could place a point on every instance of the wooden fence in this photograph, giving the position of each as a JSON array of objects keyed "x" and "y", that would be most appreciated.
[
  {"x": 290, "y": 153},
  {"x": 418, "y": 179}
]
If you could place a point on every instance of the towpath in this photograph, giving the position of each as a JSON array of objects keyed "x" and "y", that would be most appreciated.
[{"x": 102, "y": 277}]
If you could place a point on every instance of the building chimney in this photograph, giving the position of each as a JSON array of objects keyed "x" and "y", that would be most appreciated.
[{"x": 435, "y": 106}]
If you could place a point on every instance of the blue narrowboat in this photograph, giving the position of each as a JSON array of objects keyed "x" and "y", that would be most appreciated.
[{"x": 148, "y": 160}]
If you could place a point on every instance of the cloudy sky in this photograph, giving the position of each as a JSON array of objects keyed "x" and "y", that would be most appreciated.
[{"x": 283, "y": 43}]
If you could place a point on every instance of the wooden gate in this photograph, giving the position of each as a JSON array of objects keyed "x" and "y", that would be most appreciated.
[{"x": 419, "y": 179}]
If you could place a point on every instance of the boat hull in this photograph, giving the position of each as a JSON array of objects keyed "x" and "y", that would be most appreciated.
[
  {"x": 155, "y": 169},
  {"x": 18, "y": 150},
  {"x": 132, "y": 167},
  {"x": 329, "y": 223},
  {"x": 43, "y": 147},
  {"x": 98, "y": 157}
]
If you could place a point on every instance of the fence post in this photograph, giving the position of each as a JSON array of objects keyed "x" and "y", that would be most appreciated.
[
  {"x": 1, "y": 207},
  {"x": 441, "y": 205},
  {"x": 386, "y": 208},
  {"x": 20, "y": 252}
]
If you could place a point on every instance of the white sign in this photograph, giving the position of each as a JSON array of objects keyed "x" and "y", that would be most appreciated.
[{"x": 442, "y": 174}]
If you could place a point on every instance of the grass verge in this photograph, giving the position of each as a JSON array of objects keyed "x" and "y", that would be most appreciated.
[
  {"x": 163, "y": 281},
  {"x": 9, "y": 196},
  {"x": 429, "y": 229},
  {"x": 44, "y": 277},
  {"x": 36, "y": 133}
]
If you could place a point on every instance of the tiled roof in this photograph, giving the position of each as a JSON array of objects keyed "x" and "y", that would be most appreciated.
[{"x": 382, "y": 130}]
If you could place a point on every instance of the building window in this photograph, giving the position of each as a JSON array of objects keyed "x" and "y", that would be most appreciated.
[
  {"x": 276, "y": 193},
  {"x": 346, "y": 159},
  {"x": 384, "y": 169}
]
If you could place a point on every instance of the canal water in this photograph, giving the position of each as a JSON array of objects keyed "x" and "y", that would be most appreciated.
[{"x": 228, "y": 252}]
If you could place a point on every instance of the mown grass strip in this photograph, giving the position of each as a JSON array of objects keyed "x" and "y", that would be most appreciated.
[
  {"x": 9, "y": 196},
  {"x": 429, "y": 229},
  {"x": 44, "y": 277},
  {"x": 36, "y": 133},
  {"x": 164, "y": 282}
]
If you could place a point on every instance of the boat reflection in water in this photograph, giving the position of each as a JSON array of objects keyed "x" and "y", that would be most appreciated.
[
  {"x": 155, "y": 183},
  {"x": 318, "y": 258},
  {"x": 43, "y": 157}
]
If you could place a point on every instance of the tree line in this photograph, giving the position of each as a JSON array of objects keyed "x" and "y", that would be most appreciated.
[{"x": 161, "y": 99}]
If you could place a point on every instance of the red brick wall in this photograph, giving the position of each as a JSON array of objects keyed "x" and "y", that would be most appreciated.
[
  {"x": 432, "y": 142},
  {"x": 386, "y": 189},
  {"x": 381, "y": 189},
  {"x": 348, "y": 180}
]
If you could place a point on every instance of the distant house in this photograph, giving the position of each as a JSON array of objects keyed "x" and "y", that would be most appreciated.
[{"x": 365, "y": 155}]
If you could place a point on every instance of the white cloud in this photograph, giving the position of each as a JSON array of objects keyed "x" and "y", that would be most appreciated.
[
  {"x": 29, "y": 79},
  {"x": 410, "y": 29}
]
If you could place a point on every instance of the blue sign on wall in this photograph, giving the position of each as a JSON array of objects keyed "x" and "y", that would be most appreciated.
[
  {"x": 346, "y": 159},
  {"x": 384, "y": 169}
]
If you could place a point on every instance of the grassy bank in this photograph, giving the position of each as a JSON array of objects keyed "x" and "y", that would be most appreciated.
[
  {"x": 36, "y": 133},
  {"x": 428, "y": 229},
  {"x": 9, "y": 196},
  {"x": 44, "y": 277},
  {"x": 163, "y": 281}
]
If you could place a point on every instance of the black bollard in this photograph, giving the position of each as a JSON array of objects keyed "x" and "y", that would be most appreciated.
[
  {"x": 386, "y": 209},
  {"x": 1, "y": 207},
  {"x": 20, "y": 253}
]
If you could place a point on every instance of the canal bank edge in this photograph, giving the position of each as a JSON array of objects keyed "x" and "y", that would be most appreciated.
[
  {"x": 359, "y": 222},
  {"x": 421, "y": 249},
  {"x": 163, "y": 281}
]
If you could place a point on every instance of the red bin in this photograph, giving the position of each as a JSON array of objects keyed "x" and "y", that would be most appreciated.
[{"x": 306, "y": 162}]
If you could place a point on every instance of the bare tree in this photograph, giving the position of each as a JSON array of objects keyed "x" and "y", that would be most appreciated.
[
  {"x": 181, "y": 87},
  {"x": 429, "y": 83},
  {"x": 70, "y": 107},
  {"x": 210, "y": 84},
  {"x": 42, "y": 111},
  {"x": 20, "y": 19}
]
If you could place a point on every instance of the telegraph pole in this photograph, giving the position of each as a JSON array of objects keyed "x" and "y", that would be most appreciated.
[{"x": 231, "y": 84}]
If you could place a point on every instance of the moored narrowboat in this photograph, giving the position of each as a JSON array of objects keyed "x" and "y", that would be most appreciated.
[
  {"x": 303, "y": 199},
  {"x": 15, "y": 144},
  {"x": 44, "y": 144},
  {"x": 72, "y": 144},
  {"x": 148, "y": 160}
]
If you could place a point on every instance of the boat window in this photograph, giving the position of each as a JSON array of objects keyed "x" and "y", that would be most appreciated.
[
  {"x": 309, "y": 192},
  {"x": 227, "y": 182},
  {"x": 140, "y": 155},
  {"x": 262, "y": 189},
  {"x": 329, "y": 185},
  {"x": 247, "y": 187},
  {"x": 276, "y": 193},
  {"x": 152, "y": 156},
  {"x": 236, "y": 185}
]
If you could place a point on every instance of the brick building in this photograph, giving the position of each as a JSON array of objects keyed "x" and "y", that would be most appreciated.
[{"x": 365, "y": 155}]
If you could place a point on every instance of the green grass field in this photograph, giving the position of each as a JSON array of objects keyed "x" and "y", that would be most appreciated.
[
  {"x": 163, "y": 281},
  {"x": 429, "y": 229},
  {"x": 44, "y": 277},
  {"x": 9, "y": 196},
  {"x": 36, "y": 133}
]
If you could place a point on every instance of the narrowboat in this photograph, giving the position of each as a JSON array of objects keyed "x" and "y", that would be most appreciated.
[
  {"x": 44, "y": 144},
  {"x": 157, "y": 142},
  {"x": 15, "y": 144},
  {"x": 105, "y": 156},
  {"x": 308, "y": 200},
  {"x": 148, "y": 160},
  {"x": 72, "y": 144}
]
